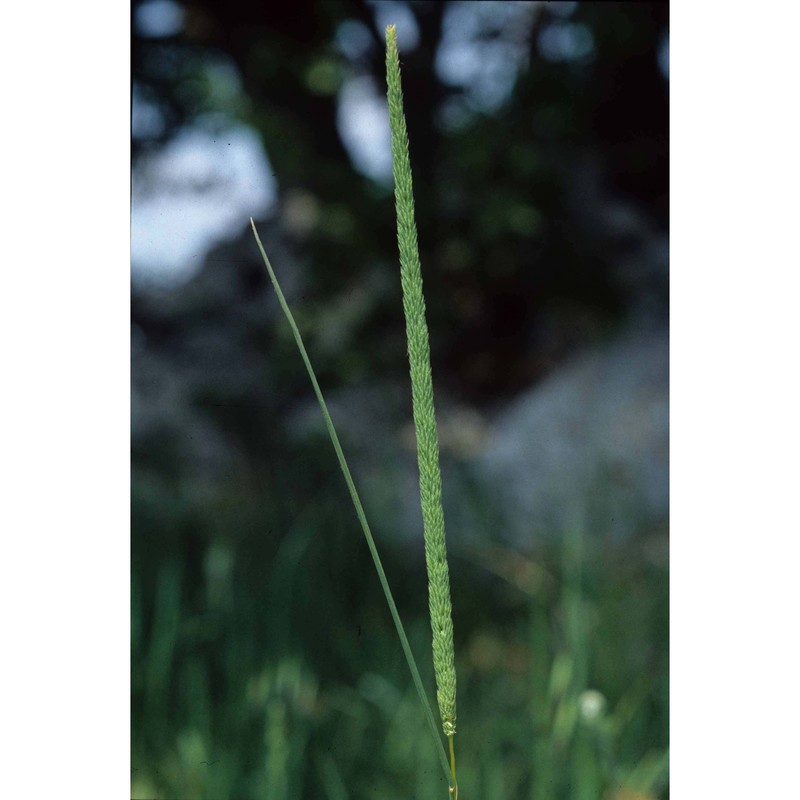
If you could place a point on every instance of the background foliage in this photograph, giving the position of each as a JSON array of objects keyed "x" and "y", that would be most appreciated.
[{"x": 264, "y": 662}]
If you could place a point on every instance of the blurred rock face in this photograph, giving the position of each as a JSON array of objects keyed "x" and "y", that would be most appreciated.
[{"x": 588, "y": 446}]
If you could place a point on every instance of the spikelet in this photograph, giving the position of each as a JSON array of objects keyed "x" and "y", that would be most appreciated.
[{"x": 430, "y": 481}]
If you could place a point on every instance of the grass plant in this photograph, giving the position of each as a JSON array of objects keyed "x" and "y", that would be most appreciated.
[
  {"x": 430, "y": 481},
  {"x": 563, "y": 675}
]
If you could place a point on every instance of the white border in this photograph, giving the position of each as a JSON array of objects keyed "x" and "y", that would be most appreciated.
[
  {"x": 64, "y": 317},
  {"x": 735, "y": 140}
]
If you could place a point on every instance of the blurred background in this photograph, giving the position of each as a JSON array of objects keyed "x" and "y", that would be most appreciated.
[{"x": 264, "y": 660}]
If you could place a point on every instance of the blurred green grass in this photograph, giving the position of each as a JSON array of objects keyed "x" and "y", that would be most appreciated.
[{"x": 265, "y": 664}]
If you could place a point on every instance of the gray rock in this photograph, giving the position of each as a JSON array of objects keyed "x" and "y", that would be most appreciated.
[{"x": 589, "y": 446}]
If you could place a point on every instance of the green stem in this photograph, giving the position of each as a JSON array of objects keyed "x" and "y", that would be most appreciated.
[{"x": 454, "y": 785}]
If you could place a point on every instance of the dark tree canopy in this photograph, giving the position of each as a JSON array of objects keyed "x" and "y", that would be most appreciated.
[{"x": 517, "y": 244}]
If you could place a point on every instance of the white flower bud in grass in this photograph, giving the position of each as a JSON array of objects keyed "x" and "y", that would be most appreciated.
[{"x": 592, "y": 704}]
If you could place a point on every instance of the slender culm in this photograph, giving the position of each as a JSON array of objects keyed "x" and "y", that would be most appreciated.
[{"x": 430, "y": 482}]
